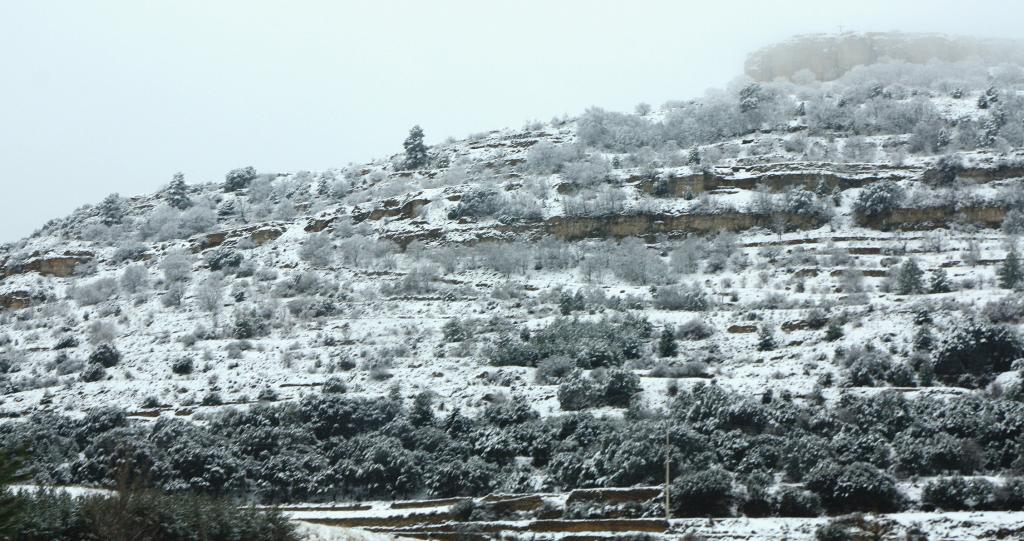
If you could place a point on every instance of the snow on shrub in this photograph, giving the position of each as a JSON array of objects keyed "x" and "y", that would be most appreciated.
[{"x": 973, "y": 352}]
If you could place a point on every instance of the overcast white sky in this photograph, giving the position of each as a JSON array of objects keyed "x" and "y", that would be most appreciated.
[{"x": 115, "y": 96}]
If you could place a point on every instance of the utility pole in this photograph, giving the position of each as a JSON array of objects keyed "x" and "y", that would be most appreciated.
[{"x": 668, "y": 513}]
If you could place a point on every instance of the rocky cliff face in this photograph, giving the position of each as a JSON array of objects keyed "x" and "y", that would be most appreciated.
[{"x": 828, "y": 57}]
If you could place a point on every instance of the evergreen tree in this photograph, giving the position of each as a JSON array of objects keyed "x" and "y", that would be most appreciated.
[
  {"x": 415, "y": 150},
  {"x": 11, "y": 506},
  {"x": 834, "y": 331},
  {"x": 693, "y": 157},
  {"x": 822, "y": 189},
  {"x": 1010, "y": 272},
  {"x": 236, "y": 179},
  {"x": 766, "y": 339},
  {"x": 111, "y": 210},
  {"x": 422, "y": 412},
  {"x": 939, "y": 282},
  {"x": 177, "y": 193},
  {"x": 923, "y": 340},
  {"x": 667, "y": 346},
  {"x": 908, "y": 278},
  {"x": 750, "y": 98}
]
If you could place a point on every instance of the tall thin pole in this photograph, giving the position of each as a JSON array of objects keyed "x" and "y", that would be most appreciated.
[{"x": 668, "y": 513}]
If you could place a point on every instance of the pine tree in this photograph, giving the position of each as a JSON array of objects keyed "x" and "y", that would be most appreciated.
[
  {"x": 10, "y": 506},
  {"x": 667, "y": 346},
  {"x": 924, "y": 340},
  {"x": 415, "y": 150},
  {"x": 766, "y": 339},
  {"x": 1010, "y": 272},
  {"x": 422, "y": 413},
  {"x": 834, "y": 331},
  {"x": 908, "y": 278},
  {"x": 939, "y": 282},
  {"x": 111, "y": 210},
  {"x": 693, "y": 157},
  {"x": 822, "y": 189},
  {"x": 177, "y": 193}
]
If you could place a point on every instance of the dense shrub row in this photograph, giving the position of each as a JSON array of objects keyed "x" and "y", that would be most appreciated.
[
  {"x": 50, "y": 516},
  {"x": 588, "y": 343},
  {"x": 331, "y": 445}
]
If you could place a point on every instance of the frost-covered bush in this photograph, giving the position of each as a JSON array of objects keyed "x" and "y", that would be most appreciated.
[
  {"x": 249, "y": 322},
  {"x": 479, "y": 202},
  {"x": 690, "y": 297},
  {"x": 334, "y": 385},
  {"x": 878, "y": 199},
  {"x": 520, "y": 206},
  {"x": 547, "y": 158},
  {"x": 199, "y": 218},
  {"x": 177, "y": 265},
  {"x": 613, "y": 131},
  {"x": 237, "y": 179},
  {"x": 618, "y": 387},
  {"x": 794, "y": 502},
  {"x": 578, "y": 392},
  {"x": 703, "y": 494},
  {"x": 853, "y": 487},
  {"x": 129, "y": 251},
  {"x": 587, "y": 172},
  {"x": 135, "y": 278},
  {"x": 1009, "y": 309},
  {"x": 866, "y": 366},
  {"x": 686, "y": 258},
  {"x": 552, "y": 370},
  {"x": 95, "y": 292},
  {"x": 1013, "y": 223},
  {"x": 58, "y": 515},
  {"x": 317, "y": 250},
  {"x": 172, "y": 297},
  {"x": 419, "y": 279},
  {"x": 803, "y": 202},
  {"x": 694, "y": 329},
  {"x": 105, "y": 355},
  {"x": 93, "y": 372},
  {"x": 632, "y": 261},
  {"x": 182, "y": 366},
  {"x": 947, "y": 168},
  {"x": 974, "y": 351},
  {"x": 592, "y": 344},
  {"x": 959, "y": 494}
]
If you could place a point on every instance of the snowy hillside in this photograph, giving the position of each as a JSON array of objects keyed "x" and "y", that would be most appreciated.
[{"x": 811, "y": 290}]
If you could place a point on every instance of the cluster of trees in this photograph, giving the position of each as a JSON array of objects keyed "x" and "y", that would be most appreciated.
[
  {"x": 45, "y": 515},
  {"x": 588, "y": 343},
  {"x": 722, "y": 446},
  {"x": 876, "y": 100}
]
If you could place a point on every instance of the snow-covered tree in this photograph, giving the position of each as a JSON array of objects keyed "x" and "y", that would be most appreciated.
[
  {"x": 237, "y": 179},
  {"x": 939, "y": 282},
  {"x": 766, "y": 339},
  {"x": 177, "y": 192},
  {"x": 667, "y": 346},
  {"x": 909, "y": 278},
  {"x": 878, "y": 199},
  {"x": 415, "y": 150},
  {"x": 1010, "y": 273},
  {"x": 317, "y": 250},
  {"x": 210, "y": 294},
  {"x": 177, "y": 265},
  {"x": 111, "y": 210},
  {"x": 134, "y": 278}
]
